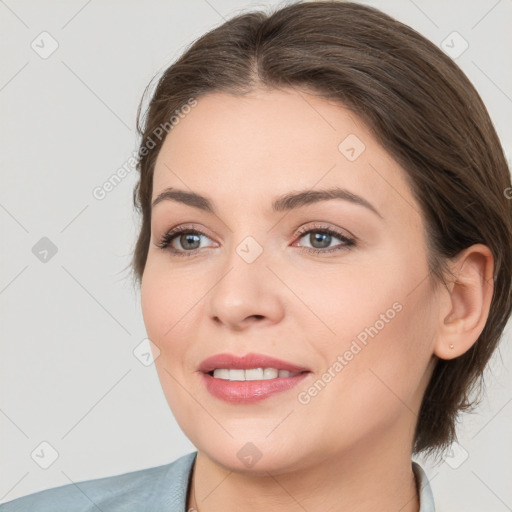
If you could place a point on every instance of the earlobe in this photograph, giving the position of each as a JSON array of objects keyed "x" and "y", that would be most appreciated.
[{"x": 466, "y": 302}]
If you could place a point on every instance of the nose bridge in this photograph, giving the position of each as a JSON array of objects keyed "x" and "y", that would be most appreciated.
[
  {"x": 243, "y": 289},
  {"x": 245, "y": 269},
  {"x": 248, "y": 243}
]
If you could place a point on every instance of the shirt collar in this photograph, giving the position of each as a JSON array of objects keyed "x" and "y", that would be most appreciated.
[{"x": 424, "y": 490}]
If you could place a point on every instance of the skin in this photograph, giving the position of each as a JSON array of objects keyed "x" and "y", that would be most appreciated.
[{"x": 350, "y": 447}]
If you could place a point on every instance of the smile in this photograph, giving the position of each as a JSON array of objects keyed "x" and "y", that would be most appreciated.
[{"x": 234, "y": 374}]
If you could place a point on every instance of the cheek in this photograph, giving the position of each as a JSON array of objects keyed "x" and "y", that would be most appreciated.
[
  {"x": 374, "y": 382},
  {"x": 164, "y": 310},
  {"x": 153, "y": 304},
  {"x": 349, "y": 299},
  {"x": 167, "y": 298},
  {"x": 384, "y": 361},
  {"x": 379, "y": 320},
  {"x": 171, "y": 308},
  {"x": 160, "y": 311}
]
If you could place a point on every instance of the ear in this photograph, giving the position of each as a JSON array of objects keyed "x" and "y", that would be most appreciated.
[{"x": 466, "y": 301}]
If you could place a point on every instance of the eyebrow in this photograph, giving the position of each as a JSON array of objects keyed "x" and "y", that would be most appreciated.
[{"x": 285, "y": 202}]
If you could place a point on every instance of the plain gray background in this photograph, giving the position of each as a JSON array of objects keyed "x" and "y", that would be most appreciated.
[{"x": 71, "y": 320}]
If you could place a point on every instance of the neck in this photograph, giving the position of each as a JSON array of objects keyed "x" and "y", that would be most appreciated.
[{"x": 361, "y": 479}]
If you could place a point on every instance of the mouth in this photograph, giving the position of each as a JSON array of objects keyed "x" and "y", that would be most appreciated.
[
  {"x": 252, "y": 374},
  {"x": 249, "y": 367},
  {"x": 250, "y": 378}
]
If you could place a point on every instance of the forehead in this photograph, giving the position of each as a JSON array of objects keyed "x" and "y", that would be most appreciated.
[{"x": 256, "y": 146}]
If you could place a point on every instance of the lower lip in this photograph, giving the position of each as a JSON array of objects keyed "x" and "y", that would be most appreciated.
[{"x": 250, "y": 391}]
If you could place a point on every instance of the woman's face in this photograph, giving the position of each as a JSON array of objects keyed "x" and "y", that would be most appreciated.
[{"x": 359, "y": 315}]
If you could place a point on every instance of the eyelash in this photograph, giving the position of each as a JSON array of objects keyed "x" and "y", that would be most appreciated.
[{"x": 167, "y": 239}]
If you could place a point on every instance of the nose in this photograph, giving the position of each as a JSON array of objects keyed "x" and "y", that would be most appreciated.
[{"x": 246, "y": 293}]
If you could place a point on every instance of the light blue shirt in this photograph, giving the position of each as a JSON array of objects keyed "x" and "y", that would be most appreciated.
[{"x": 159, "y": 489}]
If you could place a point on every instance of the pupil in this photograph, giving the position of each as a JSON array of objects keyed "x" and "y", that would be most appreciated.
[
  {"x": 189, "y": 239},
  {"x": 323, "y": 238}
]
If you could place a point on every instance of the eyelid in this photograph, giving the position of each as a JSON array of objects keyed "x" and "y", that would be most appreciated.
[{"x": 318, "y": 226}]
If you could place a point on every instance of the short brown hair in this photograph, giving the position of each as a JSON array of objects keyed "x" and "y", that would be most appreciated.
[{"x": 421, "y": 108}]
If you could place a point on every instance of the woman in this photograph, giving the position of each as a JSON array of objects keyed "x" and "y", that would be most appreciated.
[{"x": 325, "y": 264}]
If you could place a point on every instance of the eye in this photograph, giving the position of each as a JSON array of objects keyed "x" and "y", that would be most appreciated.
[
  {"x": 182, "y": 241},
  {"x": 186, "y": 241},
  {"x": 321, "y": 238}
]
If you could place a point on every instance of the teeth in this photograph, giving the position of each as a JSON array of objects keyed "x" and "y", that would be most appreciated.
[
  {"x": 251, "y": 374},
  {"x": 270, "y": 373}
]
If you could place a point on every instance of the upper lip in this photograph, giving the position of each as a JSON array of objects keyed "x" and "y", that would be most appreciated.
[{"x": 247, "y": 361}]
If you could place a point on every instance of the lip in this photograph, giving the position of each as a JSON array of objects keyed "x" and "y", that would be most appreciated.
[
  {"x": 248, "y": 392},
  {"x": 246, "y": 361}
]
